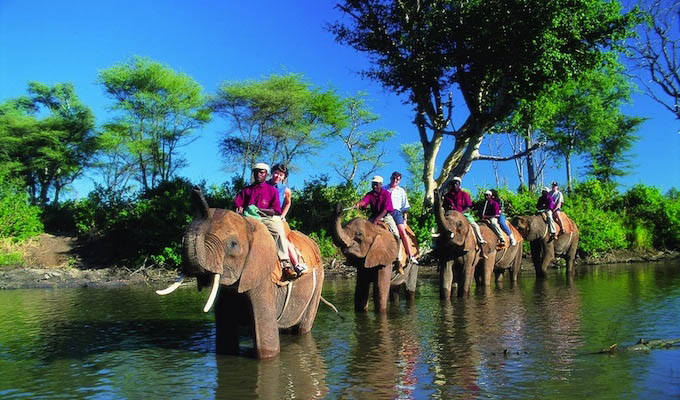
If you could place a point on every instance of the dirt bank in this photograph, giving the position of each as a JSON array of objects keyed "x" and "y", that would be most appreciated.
[{"x": 53, "y": 261}]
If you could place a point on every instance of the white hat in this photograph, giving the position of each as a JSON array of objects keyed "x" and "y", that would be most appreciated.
[
  {"x": 261, "y": 165},
  {"x": 545, "y": 189},
  {"x": 456, "y": 178},
  {"x": 377, "y": 178},
  {"x": 488, "y": 192}
]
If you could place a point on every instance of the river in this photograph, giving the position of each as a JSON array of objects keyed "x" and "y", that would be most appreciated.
[{"x": 530, "y": 340}]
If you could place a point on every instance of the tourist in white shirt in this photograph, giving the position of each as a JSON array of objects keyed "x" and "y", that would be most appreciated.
[{"x": 401, "y": 207}]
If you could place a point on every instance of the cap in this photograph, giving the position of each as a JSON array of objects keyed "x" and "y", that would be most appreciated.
[
  {"x": 545, "y": 189},
  {"x": 488, "y": 192},
  {"x": 261, "y": 165},
  {"x": 455, "y": 178},
  {"x": 377, "y": 178},
  {"x": 555, "y": 183}
]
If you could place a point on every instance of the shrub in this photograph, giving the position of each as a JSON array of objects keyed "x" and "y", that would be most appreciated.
[{"x": 19, "y": 220}]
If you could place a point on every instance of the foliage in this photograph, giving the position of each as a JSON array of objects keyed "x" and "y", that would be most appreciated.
[
  {"x": 364, "y": 147},
  {"x": 496, "y": 52},
  {"x": 48, "y": 152},
  {"x": 647, "y": 207},
  {"x": 608, "y": 159},
  {"x": 19, "y": 220},
  {"x": 413, "y": 155},
  {"x": 279, "y": 119},
  {"x": 325, "y": 242},
  {"x": 158, "y": 110},
  {"x": 149, "y": 228}
]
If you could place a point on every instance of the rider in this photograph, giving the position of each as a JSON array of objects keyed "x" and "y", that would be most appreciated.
[
  {"x": 501, "y": 218},
  {"x": 558, "y": 198},
  {"x": 279, "y": 176},
  {"x": 546, "y": 205},
  {"x": 490, "y": 213},
  {"x": 459, "y": 200},
  {"x": 265, "y": 202},
  {"x": 401, "y": 207}
]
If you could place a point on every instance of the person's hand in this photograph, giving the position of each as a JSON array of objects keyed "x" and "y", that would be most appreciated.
[{"x": 239, "y": 210}]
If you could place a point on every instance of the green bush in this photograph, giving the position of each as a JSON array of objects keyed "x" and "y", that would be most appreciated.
[
  {"x": 19, "y": 220},
  {"x": 325, "y": 242}
]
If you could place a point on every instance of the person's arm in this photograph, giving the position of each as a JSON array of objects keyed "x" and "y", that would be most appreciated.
[
  {"x": 238, "y": 202},
  {"x": 380, "y": 216},
  {"x": 286, "y": 203}
]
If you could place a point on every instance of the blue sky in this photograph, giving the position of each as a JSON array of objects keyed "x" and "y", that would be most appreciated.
[{"x": 217, "y": 41}]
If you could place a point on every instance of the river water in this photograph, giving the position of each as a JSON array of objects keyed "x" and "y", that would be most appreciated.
[{"x": 530, "y": 340}]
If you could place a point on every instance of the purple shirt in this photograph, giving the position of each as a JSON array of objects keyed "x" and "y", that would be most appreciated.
[
  {"x": 458, "y": 201},
  {"x": 378, "y": 201},
  {"x": 491, "y": 208},
  {"x": 262, "y": 195},
  {"x": 545, "y": 202}
]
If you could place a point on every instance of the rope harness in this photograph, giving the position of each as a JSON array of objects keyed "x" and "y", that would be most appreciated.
[{"x": 289, "y": 291}]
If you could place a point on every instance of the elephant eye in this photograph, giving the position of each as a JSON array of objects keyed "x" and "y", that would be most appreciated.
[{"x": 233, "y": 244}]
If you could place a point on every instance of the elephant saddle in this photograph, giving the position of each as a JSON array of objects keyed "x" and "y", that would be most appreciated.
[
  {"x": 568, "y": 224},
  {"x": 307, "y": 252},
  {"x": 402, "y": 256}
]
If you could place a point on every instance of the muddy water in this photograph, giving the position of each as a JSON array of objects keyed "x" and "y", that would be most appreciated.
[{"x": 529, "y": 340}]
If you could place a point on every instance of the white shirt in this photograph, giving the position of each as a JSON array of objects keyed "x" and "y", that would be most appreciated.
[
  {"x": 558, "y": 198},
  {"x": 399, "y": 198}
]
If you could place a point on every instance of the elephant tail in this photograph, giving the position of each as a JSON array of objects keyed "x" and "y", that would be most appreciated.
[{"x": 329, "y": 304}]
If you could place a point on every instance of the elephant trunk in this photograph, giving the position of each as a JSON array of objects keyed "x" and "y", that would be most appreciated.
[
  {"x": 442, "y": 222},
  {"x": 340, "y": 238}
]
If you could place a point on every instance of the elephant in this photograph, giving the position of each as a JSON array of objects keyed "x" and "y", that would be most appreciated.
[
  {"x": 373, "y": 250},
  {"x": 239, "y": 255},
  {"x": 534, "y": 229},
  {"x": 462, "y": 258}
]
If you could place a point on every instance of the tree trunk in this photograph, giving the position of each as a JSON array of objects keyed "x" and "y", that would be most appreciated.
[
  {"x": 567, "y": 160},
  {"x": 531, "y": 169}
]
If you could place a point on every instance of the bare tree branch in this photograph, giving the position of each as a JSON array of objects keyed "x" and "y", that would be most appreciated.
[{"x": 512, "y": 157}]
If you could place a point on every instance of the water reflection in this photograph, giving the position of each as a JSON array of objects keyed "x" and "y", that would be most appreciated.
[{"x": 519, "y": 341}]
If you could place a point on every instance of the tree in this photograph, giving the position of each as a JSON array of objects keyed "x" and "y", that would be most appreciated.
[
  {"x": 277, "y": 119},
  {"x": 496, "y": 52},
  {"x": 587, "y": 112},
  {"x": 364, "y": 146},
  {"x": 158, "y": 110},
  {"x": 656, "y": 52},
  {"x": 50, "y": 152},
  {"x": 608, "y": 159},
  {"x": 413, "y": 155}
]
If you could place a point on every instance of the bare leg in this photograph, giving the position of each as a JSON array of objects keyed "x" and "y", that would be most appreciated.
[{"x": 404, "y": 239}]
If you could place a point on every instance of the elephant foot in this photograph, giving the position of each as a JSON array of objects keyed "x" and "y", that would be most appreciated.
[{"x": 410, "y": 295}]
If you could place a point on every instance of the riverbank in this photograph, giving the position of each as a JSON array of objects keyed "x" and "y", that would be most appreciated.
[{"x": 57, "y": 262}]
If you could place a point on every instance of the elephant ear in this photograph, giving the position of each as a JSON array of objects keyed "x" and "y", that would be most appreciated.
[
  {"x": 261, "y": 258},
  {"x": 383, "y": 250}
]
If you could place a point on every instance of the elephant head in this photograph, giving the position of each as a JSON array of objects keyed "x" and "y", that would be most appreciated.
[
  {"x": 453, "y": 226},
  {"x": 364, "y": 243},
  {"x": 226, "y": 247},
  {"x": 530, "y": 227}
]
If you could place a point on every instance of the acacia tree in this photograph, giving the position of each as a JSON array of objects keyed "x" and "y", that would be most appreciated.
[
  {"x": 586, "y": 111},
  {"x": 277, "y": 119},
  {"x": 364, "y": 146},
  {"x": 609, "y": 158},
  {"x": 158, "y": 110},
  {"x": 496, "y": 52},
  {"x": 656, "y": 52},
  {"x": 48, "y": 153}
]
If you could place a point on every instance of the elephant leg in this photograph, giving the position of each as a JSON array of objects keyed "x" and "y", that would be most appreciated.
[
  {"x": 499, "y": 275},
  {"x": 548, "y": 257},
  {"x": 381, "y": 290},
  {"x": 363, "y": 286},
  {"x": 412, "y": 282},
  {"x": 445, "y": 278},
  {"x": 571, "y": 254},
  {"x": 517, "y": 264},
  {"x": 310, "y": 314},
  {"x": 536, "y": 258},
  {"x": 465, "y": 280},
  {"x": 266, "y": 330},
  {"x": 487, "y": 265},
  {"x": 394, "y": 293},
  {"x": 226, "y": 322}
]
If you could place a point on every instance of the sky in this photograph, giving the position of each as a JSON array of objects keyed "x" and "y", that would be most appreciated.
[{"x": 225, "y": 41}]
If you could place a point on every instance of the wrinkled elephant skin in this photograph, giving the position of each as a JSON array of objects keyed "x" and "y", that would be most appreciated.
[{"x": 243, "y": 252}]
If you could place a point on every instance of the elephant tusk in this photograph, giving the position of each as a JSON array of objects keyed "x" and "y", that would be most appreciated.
[
  {"x": 172, "y": 287},
  {"x": 213, "y": 293}
]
